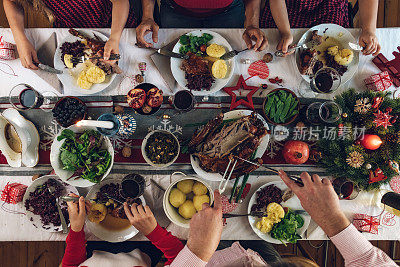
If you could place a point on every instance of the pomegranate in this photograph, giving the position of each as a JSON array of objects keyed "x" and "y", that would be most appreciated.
[{"x": 295, "y": 152}]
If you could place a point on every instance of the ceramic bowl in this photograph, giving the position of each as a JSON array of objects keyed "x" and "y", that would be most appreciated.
[
  {"x": 58, "y": 166},
  {"x": 172, "y": 212},
  {"x": 146, "y": 158}
]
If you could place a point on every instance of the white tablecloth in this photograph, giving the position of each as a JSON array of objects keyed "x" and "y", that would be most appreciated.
[{"x": 18, "y": 228}]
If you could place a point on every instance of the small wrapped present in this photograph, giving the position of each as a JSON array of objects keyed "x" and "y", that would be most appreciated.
[
  {"x": 378, "y": 82},
  {"x": 13, "y": 193},
  {"x": 7, "y": 50},
  {"x": 366, "y": 223}
]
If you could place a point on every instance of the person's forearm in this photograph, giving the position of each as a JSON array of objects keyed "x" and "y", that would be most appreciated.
[
  {"x": 252, "y": 13},
  {"x": 75, "y": 251},
  {"x": 15, "y": 17},
  {"x": 280, "y": 15},
  {"x": 368, "y": 15},
  {"x": 166, "y": 242},
  {"x": 148, "y": 9},
  {"x": 358, "y": 251},
  {"x": 334, "y": 224},
  {"x": 120, "y": 13}
]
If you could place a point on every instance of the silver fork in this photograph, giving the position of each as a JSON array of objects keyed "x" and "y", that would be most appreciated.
[
  {"x": 81, "y": 59},
  {"x": 231, "y": 54},
  {"x": 62, "y": 218},
  {"x": 309, "y": 44}
]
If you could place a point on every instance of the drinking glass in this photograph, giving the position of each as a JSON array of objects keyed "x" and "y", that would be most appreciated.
[
  {"x": 325, "y": 81},
  {"x": 25, "y": 97},
  {"x": 133, "y": 186},
  {"x": 183, "y": 101},
  {"x": 330, "y": 112},
  {"x": 312, "y": 113},
  {"x": 345, "y": 188}
]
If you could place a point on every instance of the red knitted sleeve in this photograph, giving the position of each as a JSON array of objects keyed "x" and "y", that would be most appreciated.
[
  {"x": 75, "y": 252},
  {"x": 166, "y": 242}
]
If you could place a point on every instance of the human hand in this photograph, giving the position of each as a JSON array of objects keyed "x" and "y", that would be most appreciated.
[
  {"x": 320, "y": 200},
  {"x": 370, "y": 42},
  {"x": 77, "y": 213},
  {"x": 285, "y": 43},
  {"x": 111, "y": 47},
  {"x": 146, "y": 26},
  {"x": 27, "y": 54},
  {"x": 205, "y": 229},
  {"x": 141, "y": 218},
  {"x": 255, "y": 34}
]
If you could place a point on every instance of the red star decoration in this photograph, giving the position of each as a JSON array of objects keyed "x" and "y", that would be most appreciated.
[
  {"x": 241, "y": 84},
  {"x": 382, "y": 119}
]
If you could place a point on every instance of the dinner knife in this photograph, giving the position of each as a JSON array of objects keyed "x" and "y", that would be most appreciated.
[
  {"x": 49, "y": 69},
  {"x": 165, "y": 52},
  {"x": 355, "y": 47}
]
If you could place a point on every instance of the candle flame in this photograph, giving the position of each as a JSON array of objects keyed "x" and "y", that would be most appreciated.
[{"x": 79, "y": 123}]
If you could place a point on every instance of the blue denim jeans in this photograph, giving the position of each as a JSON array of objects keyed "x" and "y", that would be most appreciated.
[{"x": 232, "y": 17}]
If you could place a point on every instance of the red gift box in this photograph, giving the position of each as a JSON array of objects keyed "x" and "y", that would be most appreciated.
[
  {"x": 379, "y": 82},
  {"x": 7, "y": 50},
  {"x": 13, "y": 193},
  {"x": 366, "y": 223}
]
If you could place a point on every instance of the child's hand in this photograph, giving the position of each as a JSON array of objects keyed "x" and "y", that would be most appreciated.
[
  {"x": 284, "y": 43},
  {"x": 258, "y": 36},
  {"x": 77, "y": 213},
  {"x": 111, "y": 47},
  {"x": 141, "y": 218},
  {"x": 370, "y": 42}
]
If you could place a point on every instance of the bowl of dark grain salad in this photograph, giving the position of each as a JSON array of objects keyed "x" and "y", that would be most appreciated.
[{"x": 160, "y": 148}]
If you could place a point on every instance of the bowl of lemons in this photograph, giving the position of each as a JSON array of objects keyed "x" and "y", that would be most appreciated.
[{"x": 185, "y": 197}]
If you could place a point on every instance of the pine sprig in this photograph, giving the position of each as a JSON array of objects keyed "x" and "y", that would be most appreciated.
[{"x": 335, "y": 152}]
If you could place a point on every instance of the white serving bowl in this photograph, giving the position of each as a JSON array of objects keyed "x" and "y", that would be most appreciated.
[
  {"x": 58, "y": 166},
  {"x": 172, "y": 212},
  {"x": 146, "y": 158}
]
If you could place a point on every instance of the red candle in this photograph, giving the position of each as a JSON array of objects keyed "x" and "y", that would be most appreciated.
[{"x": 371, "y": 141}]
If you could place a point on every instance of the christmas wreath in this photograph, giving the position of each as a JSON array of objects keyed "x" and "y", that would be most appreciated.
[{"x": 366, "y": 149}]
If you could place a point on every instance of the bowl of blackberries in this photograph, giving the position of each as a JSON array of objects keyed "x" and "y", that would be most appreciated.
[{"x": 69, "y": 110}]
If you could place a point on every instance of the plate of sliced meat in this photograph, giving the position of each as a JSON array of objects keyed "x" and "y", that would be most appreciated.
[
  {"x": 80, "y": 57},
  {"x": 240, "y": 133},
  {"x": 203, "y": 73}
]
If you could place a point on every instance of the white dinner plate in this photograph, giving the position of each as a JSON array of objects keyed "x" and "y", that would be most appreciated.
[
  {"x": 293, "y": 203},
  {"x": 218, "y": 84},
  {"x": 340, "y": 34},
  {"x": 69, "y": 77},
  {"x": 260, "y": 150},
  {"x": 35, "y": 219},
  {"x": 103, "y": 233},
  {"x": 57, "y": 165}
]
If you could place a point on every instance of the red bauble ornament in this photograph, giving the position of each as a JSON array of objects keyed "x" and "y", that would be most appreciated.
[
  {"x": 296, "y": 152},
  {"x": 371, "y": 141},
  {"x": 241, "y": 84}
]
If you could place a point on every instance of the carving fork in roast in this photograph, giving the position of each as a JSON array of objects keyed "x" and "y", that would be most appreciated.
[
  {"x": 225, "y": 179},
  {"x": 296, "y": 179}
]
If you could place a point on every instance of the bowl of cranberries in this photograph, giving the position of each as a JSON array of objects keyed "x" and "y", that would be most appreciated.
[
  {"x": 69, "y": 110},
  {"x": 145, "y": 99}
]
